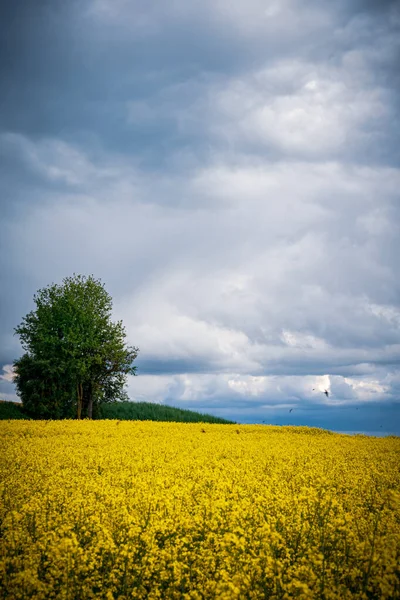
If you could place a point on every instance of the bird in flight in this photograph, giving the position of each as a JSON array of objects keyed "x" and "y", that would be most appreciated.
[
  {"x": 291, "y": 410},
  {"x": 326, "y": 393}
]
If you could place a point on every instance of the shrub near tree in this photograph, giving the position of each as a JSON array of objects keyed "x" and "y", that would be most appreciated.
[{"x": 75, "y": 357}]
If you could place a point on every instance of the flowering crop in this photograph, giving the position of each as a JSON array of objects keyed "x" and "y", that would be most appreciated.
[{"x": 113, "y": 509}]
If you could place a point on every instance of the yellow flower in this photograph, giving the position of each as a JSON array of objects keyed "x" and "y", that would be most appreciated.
[{"x": 160, "y": 510}]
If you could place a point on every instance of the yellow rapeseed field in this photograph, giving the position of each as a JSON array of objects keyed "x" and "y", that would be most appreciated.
[{"x": 112, "y": 509}]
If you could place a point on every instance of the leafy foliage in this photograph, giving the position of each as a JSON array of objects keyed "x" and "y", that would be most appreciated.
[
  {"x": 76, "y": 357},
  {"x": 11, "y": 410}
]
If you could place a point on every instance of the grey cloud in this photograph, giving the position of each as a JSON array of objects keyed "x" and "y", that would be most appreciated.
[
  {"x": 316, "y": 285},
  {"x": 82, "y": 72}
]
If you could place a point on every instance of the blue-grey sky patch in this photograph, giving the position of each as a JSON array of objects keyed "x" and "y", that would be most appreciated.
[{"x": 232, "y": 173}]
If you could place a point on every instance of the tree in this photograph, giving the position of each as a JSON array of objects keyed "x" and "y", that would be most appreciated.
[{"x": 75, "y": 356}]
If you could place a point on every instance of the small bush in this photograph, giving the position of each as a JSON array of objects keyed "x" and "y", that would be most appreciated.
[{"x": 11, "y": 410}]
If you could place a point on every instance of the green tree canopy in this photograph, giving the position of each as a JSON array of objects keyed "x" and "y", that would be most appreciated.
[{"x": 75, "y": 356}]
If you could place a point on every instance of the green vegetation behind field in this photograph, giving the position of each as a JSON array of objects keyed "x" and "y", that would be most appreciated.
[
  {"x": 146, "y": 411},
  {"x": 11, "y": 410},
  {"x": 126, "y": 411}
]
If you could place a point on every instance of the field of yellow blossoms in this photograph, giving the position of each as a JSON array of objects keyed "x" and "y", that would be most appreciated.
[{"x": 111, "y": 509}]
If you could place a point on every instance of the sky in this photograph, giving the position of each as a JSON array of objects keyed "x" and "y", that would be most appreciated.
[{"x": 231, "y": 172}]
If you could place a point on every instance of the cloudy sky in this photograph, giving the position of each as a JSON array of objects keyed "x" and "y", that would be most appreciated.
[{"x": 231, "y": 172}]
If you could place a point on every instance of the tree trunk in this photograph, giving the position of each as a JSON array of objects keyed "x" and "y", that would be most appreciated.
[
  {"x": 80, "y": 394},
  {"x": 90, "y": 402}
]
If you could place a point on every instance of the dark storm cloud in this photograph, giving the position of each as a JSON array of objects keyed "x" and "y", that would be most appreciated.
[
  {"x": 65, "y": 73},
  {"x": 68, "y": 69}
]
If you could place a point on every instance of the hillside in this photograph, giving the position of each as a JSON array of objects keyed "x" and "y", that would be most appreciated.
[
  {"x": 127, "y": 411},
  {"x": 146, "y": 411}
]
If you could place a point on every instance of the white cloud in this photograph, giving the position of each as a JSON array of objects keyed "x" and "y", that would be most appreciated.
[
  {"x": 260, "y": 392},
  {"x": 8, "y": 373},
  {"x": 303, "y": 341},
  {"x": 150, "y": 388},
  {"x": 297, "y": 107}
]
